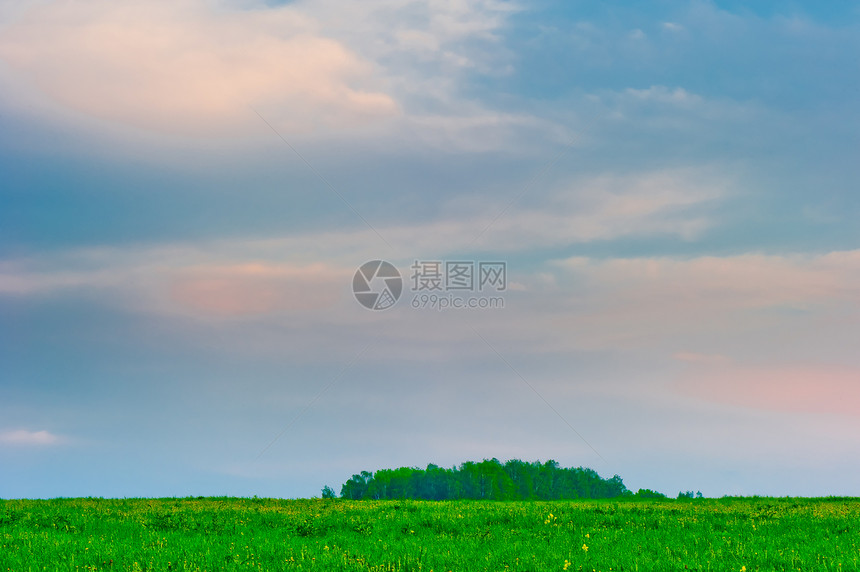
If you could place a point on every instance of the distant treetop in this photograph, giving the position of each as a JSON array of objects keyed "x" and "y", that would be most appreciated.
[{"x": 488, "y": 480}]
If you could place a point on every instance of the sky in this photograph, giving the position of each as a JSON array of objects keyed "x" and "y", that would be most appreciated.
[{"x": 190, "y": 186}]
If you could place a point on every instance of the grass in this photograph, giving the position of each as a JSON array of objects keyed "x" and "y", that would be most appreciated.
[{"x": 269, "y": 534}]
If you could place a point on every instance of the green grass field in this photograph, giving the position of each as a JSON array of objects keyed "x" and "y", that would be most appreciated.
[{"x": 266, "y": 534}]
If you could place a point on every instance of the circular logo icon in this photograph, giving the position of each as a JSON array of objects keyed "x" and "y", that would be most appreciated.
[{"x": 377, "y": 285}]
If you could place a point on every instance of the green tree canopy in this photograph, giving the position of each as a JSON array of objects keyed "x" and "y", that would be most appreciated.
[{"x": 488, "y": 479}]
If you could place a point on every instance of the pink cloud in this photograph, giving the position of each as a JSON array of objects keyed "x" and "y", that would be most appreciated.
[
  {"x": 822, "y": 389},
  {"x": 745, "y": 280},
  {"x": 28, "y": 438},
  {"x": 652, "y": 297},
  {"x": 184, "y": 66},
  {"x": 248, "y": 289}
]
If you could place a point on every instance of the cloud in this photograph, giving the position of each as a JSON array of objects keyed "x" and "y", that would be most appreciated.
[
  {"x": 700, "y": 358},
  {"x": 699, "y": 309},
  {"x": 732, "y": 305},
  {"x": 188, "y": 67},
  {"x": 663, "y": 94},
  {"x": 388, "y": 69},
  {"x": 803, "y": 388},
  {"x": 659, "y": 108},
  {"x": 708, "y": 283},
  {"x": 474, "y": 129},
  {"x": 435, "y": 29},
  {"x": 603, "y": 208},
  {"x": 702, "y": 316},
  {"x": 23, "y": 437},
  {"x": 200, "y": 67},
  {"x": 238, "y": 276},
  {"x": 248, "y": 289},
  {"x": 22, "y": 282}
]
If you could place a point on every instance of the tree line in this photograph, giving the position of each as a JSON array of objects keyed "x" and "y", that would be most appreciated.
[{"x": 485, "y": 480}]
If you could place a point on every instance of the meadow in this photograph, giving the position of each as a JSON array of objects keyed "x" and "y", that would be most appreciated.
[{"x": 213, "y": 534}]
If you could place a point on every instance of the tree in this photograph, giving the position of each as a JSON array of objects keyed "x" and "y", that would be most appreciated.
[
  {"x": 356, "y": 487},
  {"x": 328, "y": 493},
  {"x": 649, "y": 494},
  {"x": 488, "y": 479}
]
